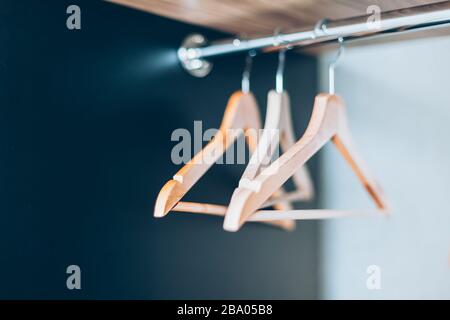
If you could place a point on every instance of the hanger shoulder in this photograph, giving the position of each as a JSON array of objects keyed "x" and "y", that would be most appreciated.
[
  {"x": 301, "y": 177},
  {"x": 189, "y": 174},
  {"x": 265, "y": 147},
  {"x": 278, "y": 129},
  {"x": 241, "y": 113},
  {"x": 344, "y": 143}
]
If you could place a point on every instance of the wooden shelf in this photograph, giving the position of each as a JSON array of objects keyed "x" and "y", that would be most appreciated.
[{"x": 257, "y": 17}]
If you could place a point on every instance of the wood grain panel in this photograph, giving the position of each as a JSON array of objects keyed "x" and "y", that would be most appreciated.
[{"x": 256, "y": 17}]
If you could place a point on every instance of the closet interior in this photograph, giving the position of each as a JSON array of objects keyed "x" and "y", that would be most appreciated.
[
  {"x": 261, "y": 184},
  {"x": 224, "y": 149}
]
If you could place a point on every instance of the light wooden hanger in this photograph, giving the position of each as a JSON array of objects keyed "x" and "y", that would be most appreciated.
[
  {"x": 278, "y": 129},
  {"x": 328, "y": 122},
  {"x": 241, "y": 114}
]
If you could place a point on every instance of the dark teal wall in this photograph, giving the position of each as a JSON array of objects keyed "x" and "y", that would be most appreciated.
[{"x": 85, "y": 124}]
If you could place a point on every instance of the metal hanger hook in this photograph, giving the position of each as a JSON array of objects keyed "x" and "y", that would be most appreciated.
[
  {"x": 279, "y": 79},
  {"x": 333, "y": 65},
  {"x": 245, "y": 83},
  {"x": 278, "y": 41}
]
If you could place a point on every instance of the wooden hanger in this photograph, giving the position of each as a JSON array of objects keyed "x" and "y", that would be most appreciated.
[
  {"x": 277, "y": 129},
  {"x": 241, "y": 114},
  {"x": 328, "y": 122}
]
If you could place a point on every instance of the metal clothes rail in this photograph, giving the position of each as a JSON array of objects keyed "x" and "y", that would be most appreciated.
[{"x": 195, "y": 50}]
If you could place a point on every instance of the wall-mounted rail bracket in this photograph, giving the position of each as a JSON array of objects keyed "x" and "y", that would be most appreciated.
[{"x": 188, "y": 53}]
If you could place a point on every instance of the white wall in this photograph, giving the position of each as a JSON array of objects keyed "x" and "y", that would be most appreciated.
[{"x": 398, "y": 99}]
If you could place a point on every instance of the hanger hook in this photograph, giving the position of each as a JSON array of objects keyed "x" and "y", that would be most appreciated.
[
  {"x": 333, "y": 65},
  {"x": 245, "y": 83},
  {"x": 280, "y": 71},
  {"x": 277, "y": 41}
]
